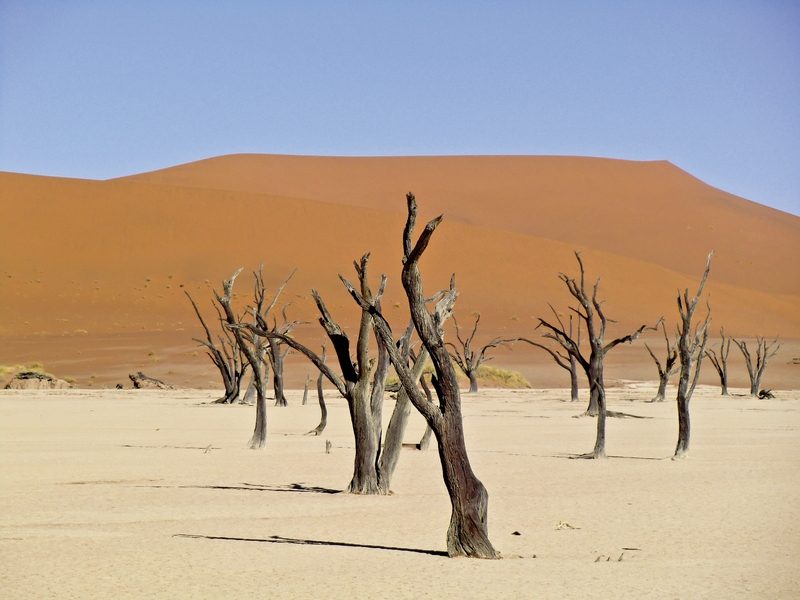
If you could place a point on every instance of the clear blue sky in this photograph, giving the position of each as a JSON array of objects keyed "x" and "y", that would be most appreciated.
[{"x": 105, "y": 88}]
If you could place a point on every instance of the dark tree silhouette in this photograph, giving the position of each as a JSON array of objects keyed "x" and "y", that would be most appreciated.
[
  {"x": 755, "y": 368},
  {"x": 691, "y": 349},
  {"x": 720, "y": 361},
  {"x": 590, "y": 311},
  {"x": 467, "y": 534},
  {"x": 361, "y": 382},
  {"x": 225, "y": 353},
  {"x": 468, "y": 359},
  {"x": 565, "y": 361},
  {"x": 666, "y": 370}
]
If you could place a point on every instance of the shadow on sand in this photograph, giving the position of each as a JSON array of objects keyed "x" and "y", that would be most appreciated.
[
  {"x": 298, "y": 488},
  {"x": 276, "y": 539}
]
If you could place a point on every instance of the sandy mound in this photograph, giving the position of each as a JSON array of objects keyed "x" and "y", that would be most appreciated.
[{"x": 32, "y": 380}]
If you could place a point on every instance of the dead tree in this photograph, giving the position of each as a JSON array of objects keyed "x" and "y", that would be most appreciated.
[
  {"x": 666, "y": 370},
  {"x": 720, "y": 361},
  {"x": 691, "y": 349},
  {"x": 361, "y": 382},
  {"x": 467, "y": 534},
  {"x": 252, "y": 344},
  {"x": 226, "y": 355},
  {"x": 565, "y": 361},
  {"x": 276, "y": 354},
  {"x": 469, "y": 360},
  {"x": 755, "y": 368},
  {"x": 323, "y": 410},
  {"x": 590, "y": 311},
  {"x": 425, "y": 440},
  {"x": 395, "y": 431},
  {"x": 305, "y": 391}
]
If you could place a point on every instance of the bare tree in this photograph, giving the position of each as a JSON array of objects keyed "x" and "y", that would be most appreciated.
[
  {"x": 467, "y": 534},
  {"x": 755, "y": 368},
  {"x": 590, "y": 311},
  {"x": 691, "y": 349},
  {"x": 225, "y": 353},
  {"x": 666, "y": 370},
  {"x": 323, "y": 409},
  {"x": 720, "y": 361},
  {"x": 425, "y": 440},
  {"x": 305, "y": 390},
  {"x": 393, "y": 443},
  {"x": 565, "y": 361},
  {"x": 361, "y": 382},
  {"x": 253, "y": 345},
  {"x": 469, "y": 360},
  {"x": 276, "y": 354}
]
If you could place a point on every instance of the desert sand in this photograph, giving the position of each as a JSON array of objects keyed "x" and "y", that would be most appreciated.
[
  {"x": 93, "y": 273},
  {"x": 148, "y": 494}
]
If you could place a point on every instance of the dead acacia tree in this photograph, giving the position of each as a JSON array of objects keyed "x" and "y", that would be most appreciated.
[
  {"x": 467, "y": 534},
  {"x": 691, "y": 349},
  {"x": 393, "y": 444},
  {"x": 361, "y": 382},
  {"x": 252, "y": 344},
  {"x": 590, "y": 312},
  {"x": 720, "y": 361},
  {"x": 276, "y": 353},
  {"x": 755, "y": 368},
  {"x": 469, "y": 360},
  {"x": 225, "y": 353},
  {"x": 565, "y": 361},
  {"x": 666, "y": 370},
  {"x": 323, "y": 409}
]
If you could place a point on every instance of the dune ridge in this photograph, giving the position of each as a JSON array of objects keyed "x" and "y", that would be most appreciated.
[{"x": 99, "y": 258}]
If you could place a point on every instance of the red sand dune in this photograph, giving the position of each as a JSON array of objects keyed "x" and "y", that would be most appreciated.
[{"x": 93, "y": 272}]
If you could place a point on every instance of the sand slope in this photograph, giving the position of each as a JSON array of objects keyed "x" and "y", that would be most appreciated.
[
  {"x": 102, "y": 265},
  {"x": 134, "y": 495}
]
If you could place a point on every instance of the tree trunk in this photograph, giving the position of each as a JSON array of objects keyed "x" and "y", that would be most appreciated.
[
  {"x": 259, "y": 438},
  {"x": 425, "y": 441},
  {"x": 663, "y": 379},
  {"x": 755, "y": 383},
  {"x": 594, "y": 403},
  {"x": 598, "y": 392},
  {"x": 724, "y": 384},
  {"x": 473, "y": 382},
  {"x": 468, "y": 533},
  {"x": 684, "y": 422},
  {"x": 323, "y": 410},
  {"x": 367, "y": 441},
  {"x": 277, "y": 375},
  {"x": 573, "y": 377},
  {"x": 393, "y": 443},
  {"x": 305, "y": 391}
]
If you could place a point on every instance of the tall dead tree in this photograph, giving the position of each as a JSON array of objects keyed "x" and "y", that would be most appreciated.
[
  {"x": 691, "y": 349},
  {"x": 590, "y": 311},
  {"x": 361, "y": 382},
  {"x": 720, "y": 361},
  {"x": 225, "y": 353},
  {"x": 467, "y": 534},
  {"x": 468, "y": 359},
  {"x": 666, "y": 370},
  {"x": 253, "y": 345},
  {"x": 395, "y": 431},
  {"x": 755, "y": 368},
  {"x": 565, "y": 361},
  {"x": 323, "y": 409}
]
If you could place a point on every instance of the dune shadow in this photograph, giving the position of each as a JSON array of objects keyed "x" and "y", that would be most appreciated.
[{"x": 276, "y": 539}]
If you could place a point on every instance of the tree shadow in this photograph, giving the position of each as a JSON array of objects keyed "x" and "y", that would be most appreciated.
[
  {"x": 582, "y": 455},
  {"x": 276, "y": 539},
  {"x": 298, "y": 488}
]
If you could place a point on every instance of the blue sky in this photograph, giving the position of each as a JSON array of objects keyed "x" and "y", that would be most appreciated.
[{"x": 100, "y": 89}]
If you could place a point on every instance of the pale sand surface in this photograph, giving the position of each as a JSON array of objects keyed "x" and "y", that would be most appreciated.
[{"x": 102, "y": 493}]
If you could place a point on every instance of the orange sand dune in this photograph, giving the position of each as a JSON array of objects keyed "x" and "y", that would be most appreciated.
[{"x": 99, "y": 268}]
